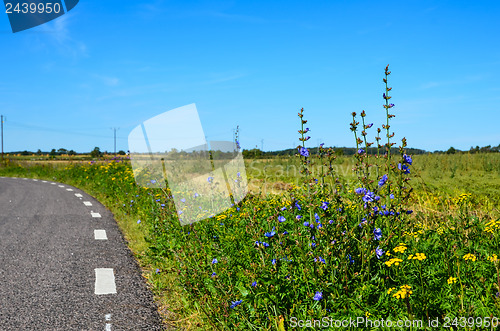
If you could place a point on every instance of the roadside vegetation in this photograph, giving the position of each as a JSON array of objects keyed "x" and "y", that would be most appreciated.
[{"x": 380, "y": 235}]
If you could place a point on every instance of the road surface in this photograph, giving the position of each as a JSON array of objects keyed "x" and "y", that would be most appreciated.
[{"x": 64, "y": 264}]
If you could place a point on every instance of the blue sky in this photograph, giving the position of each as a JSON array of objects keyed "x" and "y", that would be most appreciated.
[{"x": 107, "y": 64}]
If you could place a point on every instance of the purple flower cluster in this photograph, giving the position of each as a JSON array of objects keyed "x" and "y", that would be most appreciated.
[
  {"x": 235, "y": 303},
  {"x": 377, "y": 234},
  {"x": 304, "y": 151},
  {"x": 379, "y": 252},
  {"x": 383, "y": 180},
  {"x": 318, "y": 296}
]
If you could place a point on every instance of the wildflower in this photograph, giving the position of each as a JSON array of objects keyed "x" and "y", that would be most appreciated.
[
  {"x": 407, "y": 159},
  {"x": 304, "y": 151},
  {"x": 322, "y": 260},
  {"x": 379, "y": 252},
  {"x": 452, "y": 280},
  {"x": 470, "y": 257},
  {"x": 307, "y": 130},
  {"x": 392, "y": 261},
  {"x": 281, "y": 219},
  {"x": 391, "y": 196},
  {"x": 361, "y": 151},
  {"x": 405, "y": 291},
  {"x": 214, "y": 274},
  {"x": 324, "y": 205},
  {"x": 400, "y": 248},
  {"x": 183, "y": 200},
  {"x": 298, "y": 217},
  {"x": 318, "y": 296},
  {"x": 493, "y": 258},
  {"x": 270, "y": 234},
  {"x": 153, "y": 181},
  {"x": 404, "y": 168},
  {"x": 254, "y": 284},
  {"x": 283, "y": 208},
  {"x": 369, "y": 197},
  {"x": 313, "y": 245},
  {"x": 297, "y": 206},
  {"x": 265, "y": 244},
  {"x": 378, "y": 234},
  {"x": 368, "y": 126},
  {"x": 157, "y": 270},
  {"x": 214, "y": 261},
  {"x": 235, "y": 303},
  {"x": 418, "y": 256},
  {"x": 383, "y": 180},
  {"x": 306, "y": 223},
  {"x": 139, "y": 222},
  {"x": 330, "y": 222},
  {"x": 316, "y": 217},
  {"x": 360, "y": 191},
  {"x": 350, "y": 259},
  {"x": 210, "y": 179},
  {"x": 273, "y": 261}
]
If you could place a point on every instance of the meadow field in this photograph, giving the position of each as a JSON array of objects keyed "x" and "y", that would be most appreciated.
[{"x": 320, "y": 239}]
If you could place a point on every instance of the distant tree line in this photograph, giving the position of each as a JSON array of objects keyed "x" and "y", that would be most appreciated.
[
  {"x": 257, "y": 153},
  {"x": 472, "y": 150}
]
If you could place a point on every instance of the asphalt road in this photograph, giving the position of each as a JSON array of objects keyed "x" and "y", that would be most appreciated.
[{"x": 48, "y": 260}]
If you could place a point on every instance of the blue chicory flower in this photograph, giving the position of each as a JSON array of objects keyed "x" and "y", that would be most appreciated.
[
  {"x": 281, "y": 219},
  {"x": 304, "y": 151},
  {"x": 379, "y": 252},
  {"x": 318, "y": 296},
  {"x": 324, "y": 205},
  {"x": 360, "y": 190},
  {"x": 383, "y": 180},
  {"x": 378, "y": 233},
  {"x": 407, "y": 159},
  {"x": 270, "y": 234},
  {"x": 235, "y": 303},
  {"x": 214, "y": 261}
]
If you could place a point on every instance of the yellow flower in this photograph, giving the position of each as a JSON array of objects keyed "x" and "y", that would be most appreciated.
[
  {"x": 390, "y": 290},
  {"x": 452, "y": 280},
  {"x": 392, "y": 261},
  {"x": 400, "y": 248},
  {"x": 470, "y": 257},
  {"x": 405, "y": 291},
  {"x": 418, "y": 256},
  {"x": 493, "y": 258}
]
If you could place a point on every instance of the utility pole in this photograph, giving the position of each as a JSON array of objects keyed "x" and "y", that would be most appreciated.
[
  {"x": 1, "y": 121},
  {"x": 114, "y": 131}
]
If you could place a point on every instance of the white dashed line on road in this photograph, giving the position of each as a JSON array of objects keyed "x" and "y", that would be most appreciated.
[
  {"x": 69, "y": 189},
  {"x": 53, "y": 183},
  {"x": 87, "y": 203},
  {"x": 78, "y": 195},
  {"x": 44, "y": 181},
  {"x": 60, "y": 185},
  {"x": 108, "y": 327},
  {"x": 35, "y": 180},
  {"x": 105, "y": 281},
  {"x": 95, "y": 214},
  {"x": 100, "y": 235}
]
